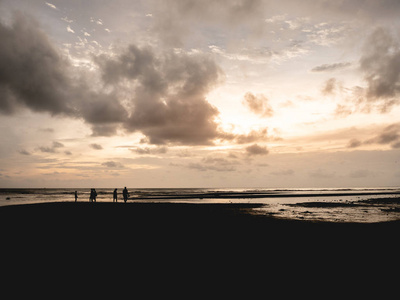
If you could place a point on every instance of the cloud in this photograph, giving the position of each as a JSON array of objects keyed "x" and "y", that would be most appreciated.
[
  {"x": 69, "y": 29},
  {"x": 51, "y": 5},
  {"x": 51, "y": 149},
  {"x": 177, "y": 20},
  {"x": 31, "y": 70},
  {"x": 331, "y": 67},
  {"x": 168, "y": 93},
  {"x": 354, "y": 143},
  {"x": 380, "y": 64},
  {"x": 258, "y": 104},
  {"x": 256, "y": 150},
  {"x": 47, "y": 149},
  {"x": 46, "y": 130},
  {"x": 103, "y": 111},
  {"x": 147, "y": 150},
  {"x": 98, "y": 21},
  {"x": 342, "y": 111},
  {"x": 161, "y": 94},
  {"x": 329, "y": 87},
  {"x": 96, "y": 146},
  {"x": 113, "y": 165},
  {"x": 34, "y": 74},
  {"x": 104, "y": 130},
  {"x": 65, "y": 19},
  {"x": 24, "y": 152},
  {"x": 389, "y": 135},
  {"x": 252, "y": 136},
  {"x": 380, "y": 67},
  {"x": 202, "y": 167},
  {"x": 57, "y": 145}
]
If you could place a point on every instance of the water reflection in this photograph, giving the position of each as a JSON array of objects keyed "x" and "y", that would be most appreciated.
[{"x": 367, "y": 210}]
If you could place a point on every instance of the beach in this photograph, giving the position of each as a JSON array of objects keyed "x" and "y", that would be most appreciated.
[
  {"x": 179, "y": 245},
  {"x": 181, "y": 223}
]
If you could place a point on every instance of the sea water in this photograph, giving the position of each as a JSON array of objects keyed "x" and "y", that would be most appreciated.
[{"x": 329, "y": 204}]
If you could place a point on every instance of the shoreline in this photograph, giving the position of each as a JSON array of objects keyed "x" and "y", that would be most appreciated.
[
  {"x": 167, "y": 210},
  {"x": 251, "y": 195}
]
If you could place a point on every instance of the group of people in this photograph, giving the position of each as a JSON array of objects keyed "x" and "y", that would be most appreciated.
[
  {"x": 93, "y": 195},
  {"x": 125, "y": 194}
]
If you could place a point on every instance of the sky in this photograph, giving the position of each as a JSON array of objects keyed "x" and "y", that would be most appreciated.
[{"x": 211, "y": 93}]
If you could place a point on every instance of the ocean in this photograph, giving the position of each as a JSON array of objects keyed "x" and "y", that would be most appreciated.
[{"x": 315, "y": 204}]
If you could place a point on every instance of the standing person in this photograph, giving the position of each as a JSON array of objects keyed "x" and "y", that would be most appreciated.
[
  {"x": 94, "y": 195},
  {"x": 115, "y": 195},
  {"x": 76, "y": 196},
  {"x": 91, "y": 195},
  {"x": 125, "y": 194}
]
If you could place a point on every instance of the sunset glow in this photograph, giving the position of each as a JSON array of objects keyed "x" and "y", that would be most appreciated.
[{"x": 199, "y": 93}]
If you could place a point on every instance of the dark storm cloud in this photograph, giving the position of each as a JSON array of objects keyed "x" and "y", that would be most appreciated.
[
  {"x": 104, "y": 130},
  {"x": 103, "y": 112},
  {"x": 168, "y": 93},
  {"x": 34, "y": 75},
  {"x": 102, "y": 109},
  {"x": 380, "y": 64},
  {"x": 258, "y": 104},
  {"x": 164, "y": 92},
  {"x": 31, "y": 70}
]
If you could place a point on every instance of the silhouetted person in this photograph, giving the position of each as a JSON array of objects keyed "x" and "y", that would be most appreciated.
[
  {"x": 115, "y": 195},
  {"x": 94, "y": 195},
  {"x": 76, "y": 196},
  {"x": 125, "y": 194}
]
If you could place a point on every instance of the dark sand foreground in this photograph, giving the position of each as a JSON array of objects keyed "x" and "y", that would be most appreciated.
[
  {"x": 165, "y": 247},
  {"x": 192, "y": 238},
  {"x": 182, "y": 223}
]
